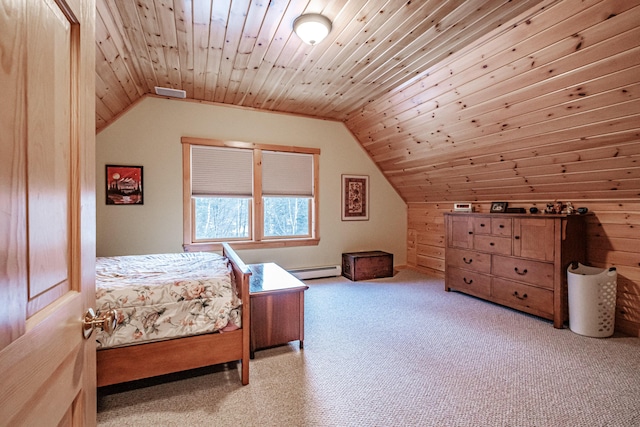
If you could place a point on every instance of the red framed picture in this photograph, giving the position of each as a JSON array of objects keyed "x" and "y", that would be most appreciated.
[
  {"x": 355, "y": 197},
  {"x": 124, "y": 185}
]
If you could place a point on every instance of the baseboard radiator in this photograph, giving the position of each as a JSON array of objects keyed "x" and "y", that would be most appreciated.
[{"x": 317, "y": 272}]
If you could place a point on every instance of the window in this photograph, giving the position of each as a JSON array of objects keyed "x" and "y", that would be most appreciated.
[{"x": 253, "y": 195}]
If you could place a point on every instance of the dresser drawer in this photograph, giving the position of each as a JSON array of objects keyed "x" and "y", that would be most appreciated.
[
  {"x": 501, "y": 226},
  {"x": 470, "y": 282},
  {"x": 493, "y": 244},
  {"x": 470, "y": 260},
  {"x": 523, "y": 270},
  {"x": 482, "y": 225},
  {"x": 523, "y": 297}
]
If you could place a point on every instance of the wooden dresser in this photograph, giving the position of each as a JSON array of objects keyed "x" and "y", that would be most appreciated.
[{"x": 517, "y": 260}]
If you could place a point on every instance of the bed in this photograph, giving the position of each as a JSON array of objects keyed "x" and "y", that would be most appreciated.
[{"x": 153, "y": 339}]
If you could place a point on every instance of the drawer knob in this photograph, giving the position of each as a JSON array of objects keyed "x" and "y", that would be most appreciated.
[
  {"x": 501, "y": 226},
  {"x": 468, "y": 282},
  {"x": 481, "y": 225},
  {"x": 467, "y": 262},
  {"x": 517, "y": 237},
  {"x": 521, "y": 273},
  {"x": 492, "y": 244},
  {"x": 471, "y": 232},
  {"x": 517, "y": 295}
]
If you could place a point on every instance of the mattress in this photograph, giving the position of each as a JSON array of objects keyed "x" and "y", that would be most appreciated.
[{"x": 164, "y": 296}]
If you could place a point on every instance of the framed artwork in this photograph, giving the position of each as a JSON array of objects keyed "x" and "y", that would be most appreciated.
[
  {"x": 498, "y": 207},
  {"x": 124, "y": 185},
  {"x": 355, "y": 198}
]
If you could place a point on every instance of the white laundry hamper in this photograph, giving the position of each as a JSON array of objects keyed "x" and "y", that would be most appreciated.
[{"x": 592, "y": 300}]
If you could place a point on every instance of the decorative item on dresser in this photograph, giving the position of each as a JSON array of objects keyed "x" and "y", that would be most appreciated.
[
  {"x": 517, "y": 260},
  {"x": 367, "y": 265}
]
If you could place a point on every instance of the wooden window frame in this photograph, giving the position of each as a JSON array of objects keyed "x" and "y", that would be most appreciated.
[{"x": 256, "y": 219}]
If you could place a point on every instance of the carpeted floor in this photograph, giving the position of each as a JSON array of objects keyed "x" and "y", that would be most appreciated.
[{"x": 402, "y": 352}]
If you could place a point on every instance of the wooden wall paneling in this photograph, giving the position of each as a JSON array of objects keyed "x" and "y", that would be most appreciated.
[
  {"x": 117, "y": 54},
  {"x": 108, "y": 102},
  {"x": 247, "y": 43},
  {"x": 259, "y": 79},
  {"x": 359, "y": 58},
  {"x": 448, "y": 93},
  {"x": 612, "y": 88},
  {"x": 426, "y": 238},
  {"x": 125, "y": 14},
  {"x": 151, "y": 29},
  {"x": 268, "y": 29},
  {"x": 588, "y": 135},
  {"x": 247, "y": 52},
  {"x": 313, "y": 81},
  {"x": 474, "y": 129},
  {"x": 613, "y": 235},
  {"x": 111, "y": 90},
  {"x": 102, "y": 110},
  {"x": 614, "y": 172},
  {"x": 107, "y": 12},
  {"x": 288, "y": 78},
  {"x": 436, "y": 44},
  {"x": 569, "y": 157},
  {"x": 502, "y": 49},
  {"x": 100, "y": 122},
  {"x": 235, "y": 32},
  {"x": 567, "y": 150},
  {"x": 166, "y": 24},
  {"x": 201, "y": 19},
  {"x": 215, "y": 45},
  {"x": 183, "y": 14},
  {"x": 390, "y": 105},
  {"x": 425, "y": 87}
]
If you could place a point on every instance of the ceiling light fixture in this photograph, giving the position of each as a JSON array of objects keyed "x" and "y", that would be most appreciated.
[{"x": 312, "y": 28}]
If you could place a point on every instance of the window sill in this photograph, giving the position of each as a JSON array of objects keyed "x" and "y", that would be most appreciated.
[{"x": 265, "y": 244}]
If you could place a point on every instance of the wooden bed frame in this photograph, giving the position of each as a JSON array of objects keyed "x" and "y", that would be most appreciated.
[{"x": 134, "y": 362}]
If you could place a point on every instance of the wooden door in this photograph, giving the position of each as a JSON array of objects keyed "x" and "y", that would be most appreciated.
[{"x": 47, "y": 212}]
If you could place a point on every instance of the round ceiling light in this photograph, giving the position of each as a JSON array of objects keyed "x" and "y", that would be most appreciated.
[{"x": 312, "y": 28}]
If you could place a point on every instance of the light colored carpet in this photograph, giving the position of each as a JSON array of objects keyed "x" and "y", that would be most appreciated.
[{"x": 403, "y": 352}]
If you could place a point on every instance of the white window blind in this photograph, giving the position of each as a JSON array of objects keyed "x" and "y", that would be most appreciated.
[
  {"x": 218, "y": 171},
  {"x": 287, "y": 174}
]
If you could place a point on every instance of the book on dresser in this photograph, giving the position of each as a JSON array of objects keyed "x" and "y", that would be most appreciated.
[{"x": 517, "y": 260}]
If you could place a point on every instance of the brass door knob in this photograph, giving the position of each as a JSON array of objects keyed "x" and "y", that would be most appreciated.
[{"x": 106, "y": 321}]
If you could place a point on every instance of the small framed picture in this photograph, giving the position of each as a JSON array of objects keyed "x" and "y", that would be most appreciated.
[
  {"x": 355, "y": 198},
  {"x": 498, "y": 207},
  {"x": 124, "y": 185}
]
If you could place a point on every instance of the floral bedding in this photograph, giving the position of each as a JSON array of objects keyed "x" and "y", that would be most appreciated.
[{"x": 166, "y": 296}]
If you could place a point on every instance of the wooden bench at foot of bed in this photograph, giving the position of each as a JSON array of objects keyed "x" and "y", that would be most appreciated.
[{"x": 135, "y": 362}]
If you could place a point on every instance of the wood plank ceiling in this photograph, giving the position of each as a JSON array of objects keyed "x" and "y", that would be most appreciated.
[{"x": 244, "y": 52}]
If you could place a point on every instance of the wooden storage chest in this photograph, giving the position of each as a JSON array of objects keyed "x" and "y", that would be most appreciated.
[{"x": 367, "y": 265}]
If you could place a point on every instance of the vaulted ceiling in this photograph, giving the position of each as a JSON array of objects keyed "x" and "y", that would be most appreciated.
[
  {"x": 472, "y": 100},
  {"x": 244, "y": 52}
]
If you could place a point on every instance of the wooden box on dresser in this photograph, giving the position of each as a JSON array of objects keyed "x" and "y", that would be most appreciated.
[{"x": 517, "y": 260}]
